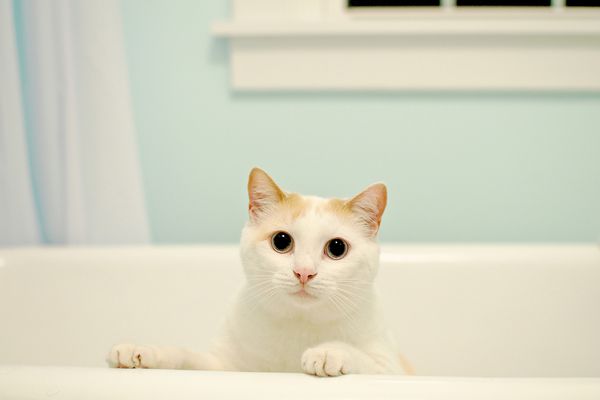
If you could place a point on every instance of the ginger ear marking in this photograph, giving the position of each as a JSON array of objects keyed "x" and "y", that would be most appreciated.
[
  {"x": 263, "y": 193},
  {"x": 369, "y": 206}
]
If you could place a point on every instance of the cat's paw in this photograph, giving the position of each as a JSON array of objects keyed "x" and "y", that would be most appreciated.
[
  {"x": 326, "y": 361},
  {"x": 132, "y": 356}
]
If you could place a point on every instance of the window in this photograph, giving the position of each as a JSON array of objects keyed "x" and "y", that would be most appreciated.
[
  {"x": 394, "y": 3},
  {"x": 503, "y": 3},
  {"x": 514, "y": 45},
  {"x": 471, "y": 3},
  {"x": 583, "y": 3}
]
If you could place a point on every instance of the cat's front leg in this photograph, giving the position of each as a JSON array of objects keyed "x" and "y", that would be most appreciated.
[
  {"x": 338, "y": 358},
  {"x": 139, "y": 356}
]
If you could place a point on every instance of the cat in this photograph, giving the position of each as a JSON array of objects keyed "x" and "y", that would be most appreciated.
[{"x": 309, "y": 304}]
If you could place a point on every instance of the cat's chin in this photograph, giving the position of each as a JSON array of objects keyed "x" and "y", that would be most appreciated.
[
  {"x": 303, "y": 298},
  {"x": 303, "y": 294}
]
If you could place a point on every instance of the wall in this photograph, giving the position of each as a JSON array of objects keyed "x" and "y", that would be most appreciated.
[{"x": 459, "y": 167}]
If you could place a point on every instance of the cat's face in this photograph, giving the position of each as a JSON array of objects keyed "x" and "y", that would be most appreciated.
[{"x": 307, "y": 254}]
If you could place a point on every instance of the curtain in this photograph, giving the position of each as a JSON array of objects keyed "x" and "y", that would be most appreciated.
[
  {"x": 70, "y": 168},
  {"x": 18, "y": 222}
]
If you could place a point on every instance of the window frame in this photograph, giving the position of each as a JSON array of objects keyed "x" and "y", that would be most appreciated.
[{"x": 329, "y": 41}]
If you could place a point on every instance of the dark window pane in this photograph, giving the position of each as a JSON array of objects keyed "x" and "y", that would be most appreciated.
[
  {"x": 583, "y": 3},
  {"x": 393, "y": 3},
  {"x": 504, "y": 3}
]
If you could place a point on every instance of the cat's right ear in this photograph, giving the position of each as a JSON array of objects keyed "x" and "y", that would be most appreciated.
[{"x": 263, "y": 193}]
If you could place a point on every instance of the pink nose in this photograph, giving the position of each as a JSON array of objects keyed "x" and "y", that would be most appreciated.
[{"x": 304, "y": 275}]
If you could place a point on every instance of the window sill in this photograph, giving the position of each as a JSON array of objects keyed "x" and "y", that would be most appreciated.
[
  {"x": 422, "y": 26},
  {"x": 554, "y": 51}
]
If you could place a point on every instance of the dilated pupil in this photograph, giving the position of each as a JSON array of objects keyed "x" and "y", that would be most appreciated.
[
  {"x": 282, "y": 241},
  {"x": 337, "y": 247}
]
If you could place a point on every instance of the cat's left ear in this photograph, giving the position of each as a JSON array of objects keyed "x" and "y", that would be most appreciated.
[
  {"x": 369, "y": 206},
  {"x": 263, "y": 193}
]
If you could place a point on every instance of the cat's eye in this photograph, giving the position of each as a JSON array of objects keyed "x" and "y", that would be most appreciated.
[
  {"x": 336, "y": 248},
  {"x": 282, "y": 242}
]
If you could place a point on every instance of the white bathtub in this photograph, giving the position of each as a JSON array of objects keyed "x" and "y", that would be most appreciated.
[{"x": 477, "y": 322}]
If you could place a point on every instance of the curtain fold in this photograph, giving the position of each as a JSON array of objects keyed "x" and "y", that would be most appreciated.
[
  {"x": 84, "y": 161},
  {"x": 18, "y": 220}
]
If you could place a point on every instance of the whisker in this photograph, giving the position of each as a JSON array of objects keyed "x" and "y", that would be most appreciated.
[
  {"x": 259, "y": 298},
  {"x": 342, "y": 309},
  {"x": 352, "y": 294},
  {"x": 350, "y": 305}
]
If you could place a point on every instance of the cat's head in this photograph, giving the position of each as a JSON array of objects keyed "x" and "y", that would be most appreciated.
[{"x": 309, "y": 254}]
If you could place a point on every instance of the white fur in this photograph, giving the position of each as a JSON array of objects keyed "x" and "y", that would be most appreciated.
[{"x": 338, "y": 331}]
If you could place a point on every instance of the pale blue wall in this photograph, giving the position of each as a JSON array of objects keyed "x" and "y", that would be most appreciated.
[{"x": 460, "y": 167}]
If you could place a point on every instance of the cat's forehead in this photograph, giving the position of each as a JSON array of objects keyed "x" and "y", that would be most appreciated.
[
  {"x": 311, "y": 217},
  {"x": 298, "y": 206},
  {"x": 306, "y": 216}
]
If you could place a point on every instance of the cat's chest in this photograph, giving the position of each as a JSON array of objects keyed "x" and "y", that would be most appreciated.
[{"x": 279, "y": 346}]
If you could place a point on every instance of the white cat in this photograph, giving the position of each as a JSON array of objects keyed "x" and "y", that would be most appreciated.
[{"x": 309, "y": 303}]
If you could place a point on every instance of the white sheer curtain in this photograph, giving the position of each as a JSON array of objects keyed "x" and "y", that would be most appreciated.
[
  {"x": 82, "y": 149},
  {"x": 18, "y": 222}
]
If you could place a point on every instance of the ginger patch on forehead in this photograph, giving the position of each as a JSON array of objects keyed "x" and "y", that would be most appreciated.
[
  {"x": 339, "y": 207},
  {"x": 291, "y": 207},
  {"x": 294, "y": 204}
]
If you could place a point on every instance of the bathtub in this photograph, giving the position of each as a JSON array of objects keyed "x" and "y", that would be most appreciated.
[{"x": 476, "y": 322}]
